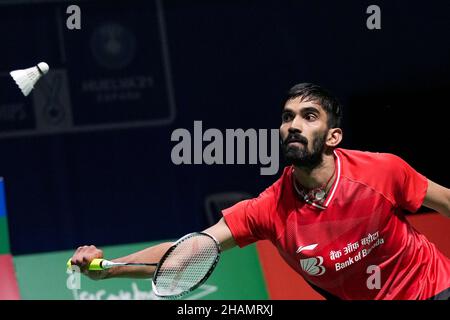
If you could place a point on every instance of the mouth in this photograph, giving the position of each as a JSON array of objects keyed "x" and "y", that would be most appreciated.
[{"x": 295, "y": 142}]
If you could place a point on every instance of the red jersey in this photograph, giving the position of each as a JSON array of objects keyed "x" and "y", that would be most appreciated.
[{"x": 358, "y": 244}]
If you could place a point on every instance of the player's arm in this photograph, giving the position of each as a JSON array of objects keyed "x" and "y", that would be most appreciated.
[
  {"x": 437, "y": 198},
  {"x": 222, "y": 233},
  {"x": 85, "y": 254},
  {"x": 219, "y": 231}
]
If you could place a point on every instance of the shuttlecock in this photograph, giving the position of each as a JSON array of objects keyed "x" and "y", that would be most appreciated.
[{"x": 27, "y": 78}]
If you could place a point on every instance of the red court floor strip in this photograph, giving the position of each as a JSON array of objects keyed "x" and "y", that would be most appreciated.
[{"x": 9, "y": 289}]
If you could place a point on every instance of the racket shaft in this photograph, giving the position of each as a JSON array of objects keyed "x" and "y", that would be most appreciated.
[
  {"x": 103, "y": 264},
  {"x": 106, "y": 264}
]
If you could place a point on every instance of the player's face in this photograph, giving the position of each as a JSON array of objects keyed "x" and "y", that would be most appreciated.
[{"x": 303, "y": 132}]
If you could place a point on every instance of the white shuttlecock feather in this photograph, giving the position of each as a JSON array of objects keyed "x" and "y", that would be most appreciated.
[{"x": 27, "y": 78}]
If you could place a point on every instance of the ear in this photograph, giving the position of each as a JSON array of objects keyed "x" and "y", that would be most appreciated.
[{"x": 334, "y": 137}]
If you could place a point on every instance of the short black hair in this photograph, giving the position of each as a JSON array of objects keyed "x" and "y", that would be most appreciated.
[{"x": 313, "y": 92}]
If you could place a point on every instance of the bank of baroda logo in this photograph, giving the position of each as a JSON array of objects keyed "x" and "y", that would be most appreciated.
[{"x": 312, "y": 266}]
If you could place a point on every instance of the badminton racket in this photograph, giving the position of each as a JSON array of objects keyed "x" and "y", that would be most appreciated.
[{"x": 185, "y": 266}]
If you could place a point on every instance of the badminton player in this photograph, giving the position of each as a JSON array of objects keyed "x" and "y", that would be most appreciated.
[{"x": 336, "y": 216}]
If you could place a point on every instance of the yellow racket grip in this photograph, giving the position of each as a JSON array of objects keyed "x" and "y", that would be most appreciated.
[{"x": 95, "y": 265}]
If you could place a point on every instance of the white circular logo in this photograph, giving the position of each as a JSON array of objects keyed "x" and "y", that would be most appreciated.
[{"x": 113, "y": 46}]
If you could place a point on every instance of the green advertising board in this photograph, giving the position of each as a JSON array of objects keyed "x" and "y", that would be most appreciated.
[
  {"x": 4, "y": 238},
  {"x": 43, "y": 276}
]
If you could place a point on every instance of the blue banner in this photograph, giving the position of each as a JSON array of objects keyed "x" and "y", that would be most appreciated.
[{"x": 2, "y": 199}]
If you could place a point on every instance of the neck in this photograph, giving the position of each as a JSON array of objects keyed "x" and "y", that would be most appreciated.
[{"x": 318, "y": 176}]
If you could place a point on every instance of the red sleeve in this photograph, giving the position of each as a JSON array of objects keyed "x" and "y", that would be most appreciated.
[
  {"x": 409, "y": 186},
  {"x": 251, "y": 220}
]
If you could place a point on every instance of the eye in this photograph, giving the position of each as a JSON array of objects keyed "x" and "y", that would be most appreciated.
[
  {"x": 310, "y": 116},
  {"x": 286, "y": 116}
]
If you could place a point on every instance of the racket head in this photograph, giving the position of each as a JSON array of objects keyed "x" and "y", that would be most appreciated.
[{"x": 186, "y": 265}]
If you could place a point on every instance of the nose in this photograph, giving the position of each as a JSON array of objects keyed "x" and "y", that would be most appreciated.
[{"x": 295, "y": 126}]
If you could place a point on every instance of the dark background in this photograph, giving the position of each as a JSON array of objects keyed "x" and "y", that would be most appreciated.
[{"x": 231, "y": 63}]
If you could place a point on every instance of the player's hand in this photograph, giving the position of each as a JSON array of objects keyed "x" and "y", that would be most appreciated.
[{"x": 83, "y": 257}]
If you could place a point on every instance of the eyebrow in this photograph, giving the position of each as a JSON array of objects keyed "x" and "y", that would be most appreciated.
[
  {"x": 310, "y": 109},
  {"x": 287, "y": 110}
]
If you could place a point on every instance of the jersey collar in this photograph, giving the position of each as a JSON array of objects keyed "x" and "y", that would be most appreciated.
[{"x": 331, "y": 193}]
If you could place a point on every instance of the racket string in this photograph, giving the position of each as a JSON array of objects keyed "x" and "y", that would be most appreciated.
[{"x": 184, "y": 267}]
